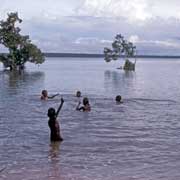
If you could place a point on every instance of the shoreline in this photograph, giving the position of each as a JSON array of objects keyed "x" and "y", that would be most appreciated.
[{"x": 88, "y": 55}]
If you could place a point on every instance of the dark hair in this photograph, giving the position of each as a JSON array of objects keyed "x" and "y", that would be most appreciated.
[
  {"x": 118, "y": 98},
  {"x": 44, "y": 91},
  {"x": 78, "y": 93},
  {"x": 85, "y": 101},
  {"x": 51, "y": 112}
]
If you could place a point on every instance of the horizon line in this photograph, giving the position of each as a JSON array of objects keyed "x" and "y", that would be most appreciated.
[{"x": 98, "y": 55}]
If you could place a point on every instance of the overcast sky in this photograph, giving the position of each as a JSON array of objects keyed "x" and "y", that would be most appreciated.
[{"x": 87, "y": 26}]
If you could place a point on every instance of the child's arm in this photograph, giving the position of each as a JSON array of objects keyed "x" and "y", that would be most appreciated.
[
  {"x": 60, "y": 106},
  {"x": 80, "y": 108},
  {"x": 51, "y": 97},
  {"x": 77, "y": 107}
]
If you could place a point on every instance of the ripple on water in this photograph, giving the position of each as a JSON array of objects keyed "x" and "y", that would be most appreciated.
[{"x": 138, "y": 139}]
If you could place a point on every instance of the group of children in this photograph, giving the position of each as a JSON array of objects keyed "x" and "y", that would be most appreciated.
[{"x": 53, "y": 114}]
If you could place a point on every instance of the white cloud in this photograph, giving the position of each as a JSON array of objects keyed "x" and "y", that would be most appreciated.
[
  {"x": 103, "y": 41},
  {"x": 138, "y": 10},
  {"x": 90, "y": 25},
  {"x": 134, "y": 38},
  {"x": 168, "y": 43},
  {"x": 87, "y": 40},
  {"x": 39, "y": 8},
  {"x": 129, "y": 9},
  {"x": 132, "y": 10}
]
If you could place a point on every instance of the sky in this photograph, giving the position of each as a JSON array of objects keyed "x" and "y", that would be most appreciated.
[{"x": 87, "y": 26}]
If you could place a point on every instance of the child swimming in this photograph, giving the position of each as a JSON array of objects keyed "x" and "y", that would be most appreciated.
[
  {"x": 118, "y": 99},
  {"x": 44, "y": 95},
  {"x": 53, "y": 123},
  {"x": 78, "y": 94},
  {"x": 86, "y": 106}
]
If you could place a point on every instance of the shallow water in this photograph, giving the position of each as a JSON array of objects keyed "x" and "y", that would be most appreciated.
[{"x": 136, "y": 140}]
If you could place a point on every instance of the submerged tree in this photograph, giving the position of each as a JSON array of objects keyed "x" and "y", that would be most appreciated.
[
  {"x": 121, "y": 47},
  {"x": 20, "y": 47}
]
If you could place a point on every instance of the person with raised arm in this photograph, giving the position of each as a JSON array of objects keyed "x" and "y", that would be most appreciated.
[
  {"x": 86, "y": 106},
  {"x": 54, "y": 124}
]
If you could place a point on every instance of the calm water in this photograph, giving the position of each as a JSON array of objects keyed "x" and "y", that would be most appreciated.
[{"x": 136, "y": 140}]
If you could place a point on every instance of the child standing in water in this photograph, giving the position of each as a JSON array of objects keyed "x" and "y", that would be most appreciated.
[
  {"x": 44, "y": 95},
  {"x": 53, "y": 123},
  {"x": 86, "y": 106}
]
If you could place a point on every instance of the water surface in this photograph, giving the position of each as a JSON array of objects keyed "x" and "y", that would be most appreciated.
[{"x": 137, "y": 140}]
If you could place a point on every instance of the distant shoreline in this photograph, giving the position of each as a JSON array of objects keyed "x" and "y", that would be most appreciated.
[{"x": 86, "y": 55}]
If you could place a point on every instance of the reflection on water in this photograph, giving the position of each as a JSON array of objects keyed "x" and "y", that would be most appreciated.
[
  {"x": 129, "y": 74},
  {"x": 54, "y": 153},
  {"x": 119, "y": 81},
  {"x": 54, "y": 150},
  {"x": 12, "y": 78},
  {"x": 13, "y": 82}
]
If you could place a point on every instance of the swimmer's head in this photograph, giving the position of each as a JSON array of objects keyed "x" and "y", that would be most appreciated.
[
  {"x": 78, "y": 94},
  {"x": 51, "y": 113},
  {"x": 118, "y": 98},
  {"x": 44, "y": 93},
  {"x": 85, "y": 101}
]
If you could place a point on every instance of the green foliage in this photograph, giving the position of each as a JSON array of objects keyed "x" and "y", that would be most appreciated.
[
  {"x": 20, "y": 47},
  {"x": 120, "y": 46},
  {"x": 128, "y": 65}
]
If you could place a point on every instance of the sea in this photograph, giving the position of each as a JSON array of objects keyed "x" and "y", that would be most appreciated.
[{"x": 138, "y": 139}]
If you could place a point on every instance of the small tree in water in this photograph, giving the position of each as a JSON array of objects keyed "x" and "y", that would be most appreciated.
[
  {"x": 20, "y": 47},
  {"x": 121, "y": 47}
]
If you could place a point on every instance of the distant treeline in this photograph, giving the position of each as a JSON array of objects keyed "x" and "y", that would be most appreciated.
[
  {"x": 85, "y": 55},
  {"x": 74, "y": 55}
]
